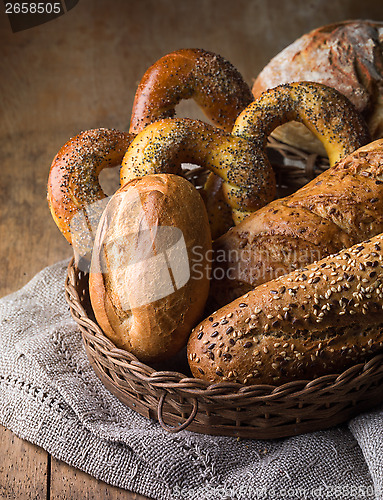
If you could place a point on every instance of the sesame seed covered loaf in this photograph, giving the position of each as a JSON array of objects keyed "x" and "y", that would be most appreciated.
[
  {"x": 318, "y": 320},
  {"x": 339, "y": 208}
]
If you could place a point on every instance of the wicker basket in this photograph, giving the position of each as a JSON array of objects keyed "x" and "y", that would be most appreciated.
[{"x": 179, "y": 401}]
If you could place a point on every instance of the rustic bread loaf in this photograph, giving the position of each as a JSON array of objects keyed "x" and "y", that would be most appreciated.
[
  {"x": 315, "y": 321},
  {"x": 347, "y": 56},
  {"x": 148, "y": 285}
]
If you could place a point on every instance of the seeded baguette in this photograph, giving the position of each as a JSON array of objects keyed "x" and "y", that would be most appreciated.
[{"x": 315, "y": 321}]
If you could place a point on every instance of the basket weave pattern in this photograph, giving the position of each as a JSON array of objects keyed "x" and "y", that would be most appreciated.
[{"x": 179, "y": 401}]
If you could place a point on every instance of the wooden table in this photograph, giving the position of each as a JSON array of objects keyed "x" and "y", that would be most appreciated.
[{"x": 80, "y": 71}]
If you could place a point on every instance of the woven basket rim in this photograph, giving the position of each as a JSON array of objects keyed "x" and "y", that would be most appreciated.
[{"x": 172, "y": 380}]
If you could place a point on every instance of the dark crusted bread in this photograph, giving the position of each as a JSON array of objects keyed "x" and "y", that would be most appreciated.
[{"x": 315, "y": 321}]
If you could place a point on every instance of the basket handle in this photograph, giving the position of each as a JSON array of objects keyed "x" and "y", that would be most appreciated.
[{"x": 177, "y": 428}]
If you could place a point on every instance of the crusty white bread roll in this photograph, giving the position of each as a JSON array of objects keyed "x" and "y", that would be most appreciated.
[
  {"x": 315, "y": 321},
  {"x": 347, "y": 56},
  {"x": 149, "y": 276}
]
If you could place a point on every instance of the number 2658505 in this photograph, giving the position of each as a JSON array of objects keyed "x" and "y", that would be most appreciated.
[{"x": 33, "y": 8}]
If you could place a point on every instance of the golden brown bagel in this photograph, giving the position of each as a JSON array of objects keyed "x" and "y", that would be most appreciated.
[
  {"x": 73, "y": 184},
  {"x": 329, "y": 115},
  {"x": 319, "y": 320},
  {"x": 163, "y": 146},
  {"x": 339, "y": 208},
  {"x": 212, "y": 81},
  {"x": 149, "y": 276},
  {"x": 347, "y": 56}
]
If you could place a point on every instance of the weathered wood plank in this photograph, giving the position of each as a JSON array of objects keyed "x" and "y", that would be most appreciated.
[
  {"x": 67, "y": 482},
  {"x": 23, "y": 468}
]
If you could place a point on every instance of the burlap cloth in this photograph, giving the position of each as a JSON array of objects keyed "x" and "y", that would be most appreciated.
[{"x": 50, "y": 396}]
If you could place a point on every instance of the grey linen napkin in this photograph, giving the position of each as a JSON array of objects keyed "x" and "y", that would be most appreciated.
[{"x": 50, "y": 396}]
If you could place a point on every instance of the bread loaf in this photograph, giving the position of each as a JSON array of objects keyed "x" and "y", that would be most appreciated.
[
  {"x": 315, "y": 321},
  {"x": 149, "y": 276},
  {"x": 339, "y": 208},
  {"x": 347, "y": 56}
]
